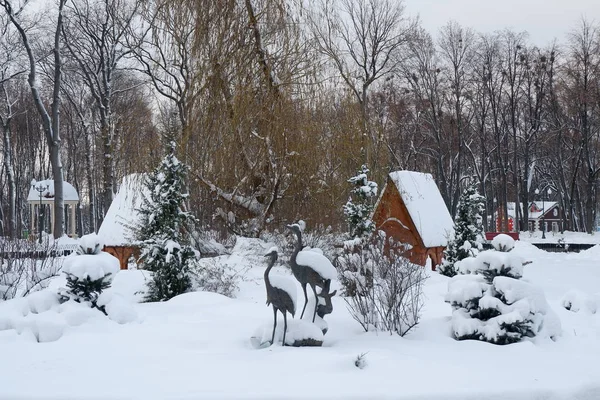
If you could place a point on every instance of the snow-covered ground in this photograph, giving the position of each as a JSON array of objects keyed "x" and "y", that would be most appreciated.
[
  {"x": 567, "y": 236},
  {"x": 198, "y": 346}
]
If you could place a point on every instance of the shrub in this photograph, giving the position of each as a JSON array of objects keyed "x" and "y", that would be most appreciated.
[
  {"x": 384, "y": 290},
  {"x": 89, "y": 272},
  {"x": 27, "y": 267}
]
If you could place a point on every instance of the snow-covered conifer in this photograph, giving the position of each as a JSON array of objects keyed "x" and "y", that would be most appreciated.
[
  {"x": 360, "y": 205},
  {"x": 468, "y": 230},
  {"x": 491, "y": 303},
  {"x": 89, "y": 272},
  {"x": 161, "y": 230}
]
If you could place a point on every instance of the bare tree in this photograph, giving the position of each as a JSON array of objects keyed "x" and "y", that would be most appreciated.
[
  {"x": 95, "y": 33},
  {"x": 362, "y": 40},
  {"x": 10, "y": 69},
  {"x": 50, "y": 121}
]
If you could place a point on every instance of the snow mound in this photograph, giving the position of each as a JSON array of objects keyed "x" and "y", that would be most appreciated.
[
  {"x": 117, "y": 308},
  {"x": 318, "y": 262},
  {"x": 298, "y": 331},
  {"x": 577, "y": 301},
  {"x": 94, "y": 266},
  {"x": 90, "y": 244},
  {"x": 40, "y": 317},
  {"x": 503, "y": 242},
  {"x": 286, "y": 284},
  {"x": 45, "y": 327}
]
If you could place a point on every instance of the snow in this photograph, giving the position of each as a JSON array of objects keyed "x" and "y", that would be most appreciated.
[
  {"x": 503, "y": 242},
  {"x": 94, "y": 266},
  {"x": 121, "y": 215},
  {"x": 297, "y": 330},
  {"x": 118, "y": 309},
  {"x": 69, "y": 192},
  {"x": 425, "y": 206},
  {"x": 286, "y": 284},
  {"x": 90, "y": 243},
  {"x": 317, "y": 262},
  {"x": 198, "y": 346},
  {"x": 577, "y": 301}
]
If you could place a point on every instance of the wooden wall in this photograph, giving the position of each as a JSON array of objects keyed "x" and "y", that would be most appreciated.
[{"x": 123, "y": 253}]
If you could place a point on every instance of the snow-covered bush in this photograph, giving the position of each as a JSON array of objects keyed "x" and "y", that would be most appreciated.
[
  {"x": 492, "y": 304},
  {"x": 503, "y": 243},
  {"x": 360, "y": 205},
  {"x": 468, "y": 230},
  {"x": 319, "y": 237},
  {"x": 161, "y": 231},
  {"x": 384, "y": 290},
  {"x": 577, "y": 301},
  {"x": 217, "y": 276},
  {"x": 26, "y": 267},
  {"x": 360, "y": 361},
  {"x": 89, "y": 272}
]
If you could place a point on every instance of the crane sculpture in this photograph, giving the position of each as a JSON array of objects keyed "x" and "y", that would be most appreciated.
[
  {"x": 281, "y": 294},
  {"x": 310, "y": 268}
]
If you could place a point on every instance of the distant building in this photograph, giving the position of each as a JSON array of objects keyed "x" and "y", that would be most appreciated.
[{"x": 546, "y": 214}]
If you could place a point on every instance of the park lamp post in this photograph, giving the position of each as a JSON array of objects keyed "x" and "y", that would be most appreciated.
[
  {"x": 40, "y": 189},
  {"x": 537, "y": 193},
  {"x": 544, "y": 213}
]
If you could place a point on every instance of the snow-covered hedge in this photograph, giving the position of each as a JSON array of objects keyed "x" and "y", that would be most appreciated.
[{"x": 492, "y": 304}]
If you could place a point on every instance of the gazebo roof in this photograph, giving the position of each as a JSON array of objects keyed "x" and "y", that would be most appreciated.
[
  {"x": 122, "y": 213},
  {"x": 69, "y": 192}
]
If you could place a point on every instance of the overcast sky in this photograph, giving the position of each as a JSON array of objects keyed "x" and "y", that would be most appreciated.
[{"x": 543, "y": 19}]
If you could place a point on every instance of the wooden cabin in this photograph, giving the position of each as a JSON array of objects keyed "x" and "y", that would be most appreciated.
[
  {"x": 412, "y": 211},
  {"x": 115, "y": 231}
]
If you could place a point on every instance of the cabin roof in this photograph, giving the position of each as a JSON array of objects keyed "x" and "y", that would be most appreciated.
[{"x": 425, "y": 206}]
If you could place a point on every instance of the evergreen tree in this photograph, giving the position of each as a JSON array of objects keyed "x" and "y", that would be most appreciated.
[
  {"x": 360, "y": 205},
  {"x": 165, "y": 249},
  {"x": 468, "y": 230},
  {"x": 491, "y": 303},
  {"x": 89, "y": 272}
]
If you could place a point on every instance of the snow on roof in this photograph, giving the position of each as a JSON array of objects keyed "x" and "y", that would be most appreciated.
[
  {"x": 544, "y": 206},
  {"x": 425, "y": 206},
  {"x": 122, "y": 213},
  {"x": 69, "y": 192}
]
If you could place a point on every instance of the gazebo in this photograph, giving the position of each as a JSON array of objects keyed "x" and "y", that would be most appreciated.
[
  {"x": 122, "y": 215},
  {"x": 42, "y": 193}
]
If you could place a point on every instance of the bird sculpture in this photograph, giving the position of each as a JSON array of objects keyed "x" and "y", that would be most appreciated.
[
  {"x": 281, "y": 294},
  {"x": 310, "y": 268}
]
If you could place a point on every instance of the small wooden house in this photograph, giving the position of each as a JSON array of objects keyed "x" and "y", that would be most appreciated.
[
  {"x": 115, "y": 231},
  {"x": 411, "y": 210}
]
